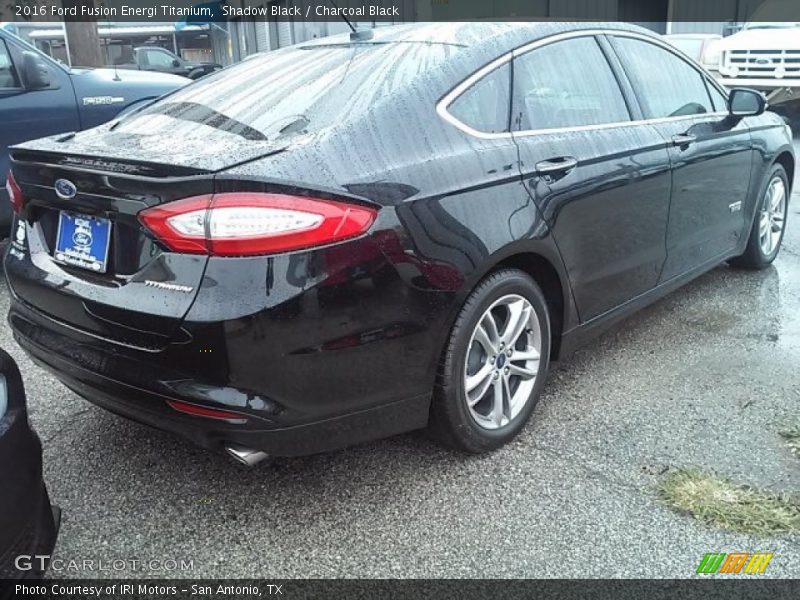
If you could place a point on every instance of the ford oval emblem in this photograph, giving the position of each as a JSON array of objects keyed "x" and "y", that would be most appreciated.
[
  {"x": 82, "y": 238},
  {"x": 65, "y": 189}
]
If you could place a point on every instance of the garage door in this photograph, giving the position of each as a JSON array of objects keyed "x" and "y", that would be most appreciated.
[
  {"x": 284, "y": 33},
  {"x": 262, "y": 36},
  {"x": 281, "y": 28}
]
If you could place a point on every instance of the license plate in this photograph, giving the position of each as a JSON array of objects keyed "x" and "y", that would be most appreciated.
[{"x": 83, "y": 241}]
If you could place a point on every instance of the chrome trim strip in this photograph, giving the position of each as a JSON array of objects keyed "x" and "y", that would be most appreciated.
[{"x": 452, "y": 95}]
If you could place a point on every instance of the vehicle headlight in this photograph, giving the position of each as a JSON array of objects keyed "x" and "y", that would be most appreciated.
[{"x": 711, "y": 55}]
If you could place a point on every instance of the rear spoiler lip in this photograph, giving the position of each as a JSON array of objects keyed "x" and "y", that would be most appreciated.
[
  {"x": 85, "y": 163},
  {"x": 94, "y": 164}
]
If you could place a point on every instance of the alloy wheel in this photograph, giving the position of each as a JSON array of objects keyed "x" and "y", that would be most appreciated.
[
  {"x": 502, "y": 362},
  {"x": 772, "y": 216}
]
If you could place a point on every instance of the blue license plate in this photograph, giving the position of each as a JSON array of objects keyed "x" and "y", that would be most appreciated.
[{"x": 83, "y": 241}]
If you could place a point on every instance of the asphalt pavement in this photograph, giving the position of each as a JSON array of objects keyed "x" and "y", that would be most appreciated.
[{"x": 706, "y": 377}]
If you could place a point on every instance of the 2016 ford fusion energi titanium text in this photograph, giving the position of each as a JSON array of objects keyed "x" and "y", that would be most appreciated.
[{"x": 354, "y": 238}]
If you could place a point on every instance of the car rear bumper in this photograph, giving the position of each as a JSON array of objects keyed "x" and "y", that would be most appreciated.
[{"x": 140, "y": 388}]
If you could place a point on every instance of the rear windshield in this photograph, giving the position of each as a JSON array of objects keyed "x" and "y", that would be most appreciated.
[{"x": 289, "y": 91}]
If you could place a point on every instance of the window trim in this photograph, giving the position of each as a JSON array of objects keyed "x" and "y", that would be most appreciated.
[
  {"x": 509, "y": 103},
  {"x": 443, "y": 104}
]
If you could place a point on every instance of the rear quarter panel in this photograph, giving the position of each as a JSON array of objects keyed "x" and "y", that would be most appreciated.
[{"x": 452, "y": 207}]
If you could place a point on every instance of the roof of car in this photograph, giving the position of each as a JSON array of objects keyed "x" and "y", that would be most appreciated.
[
  {"x": 489, "y": 37},
  {"x": 470, "y": 46}
]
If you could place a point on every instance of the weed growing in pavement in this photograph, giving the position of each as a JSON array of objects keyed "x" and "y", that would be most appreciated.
[{"x": 718, "y": 501}]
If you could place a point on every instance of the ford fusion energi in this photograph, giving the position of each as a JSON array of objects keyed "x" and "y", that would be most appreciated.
[{"x": 354, "y": 237}]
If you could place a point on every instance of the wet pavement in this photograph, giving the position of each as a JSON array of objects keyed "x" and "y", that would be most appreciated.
[{"x": 706, "y": 377}]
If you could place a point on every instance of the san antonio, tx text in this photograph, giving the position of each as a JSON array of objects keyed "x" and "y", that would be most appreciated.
[{"x": 127, "y": 589}]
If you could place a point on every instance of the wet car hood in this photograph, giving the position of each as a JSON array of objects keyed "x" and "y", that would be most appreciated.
[{"x": 208, "y": 150}]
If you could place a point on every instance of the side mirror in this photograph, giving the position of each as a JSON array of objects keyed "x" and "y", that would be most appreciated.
[
  {"x": 744, "y": 102},
  {"x": 176, "y": 63},
  {"x": 35, "y": 73}
]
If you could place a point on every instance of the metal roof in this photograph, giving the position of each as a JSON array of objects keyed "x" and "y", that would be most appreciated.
[{"x": 155, "y": 29}]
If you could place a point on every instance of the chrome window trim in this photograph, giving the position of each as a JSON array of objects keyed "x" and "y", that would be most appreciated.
[
  {"x": 453, "y": 95},
  {"x": 468, "y": 82}
]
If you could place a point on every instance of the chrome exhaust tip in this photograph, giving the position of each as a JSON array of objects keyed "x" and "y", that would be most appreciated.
[{"x": 246, "y": 456}]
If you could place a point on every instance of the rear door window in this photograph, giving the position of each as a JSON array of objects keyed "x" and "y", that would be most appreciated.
[
  {"x": 666, "y": 84},
  {"x": 484, "y": 106},
  {"x": 566, "y": 84}
]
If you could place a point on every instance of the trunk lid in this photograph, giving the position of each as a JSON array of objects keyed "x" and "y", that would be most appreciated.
[
  {"x": 201, "y": 149},
  {"x": 145, "y": 292}
]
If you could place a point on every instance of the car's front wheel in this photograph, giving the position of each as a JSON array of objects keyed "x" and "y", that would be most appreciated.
[
  {"x": 769, "y": 223},
  {"x": 494, "y": 365}
]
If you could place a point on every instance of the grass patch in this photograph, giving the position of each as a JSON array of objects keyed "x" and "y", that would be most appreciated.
[
  {"x": 792, "y": 437},
  {"x": 719, "y": 502}
]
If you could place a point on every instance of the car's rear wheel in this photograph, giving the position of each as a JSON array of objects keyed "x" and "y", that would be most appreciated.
[
  {"x": 769, "y": 223},
  {"x": 494, "y": 365}
]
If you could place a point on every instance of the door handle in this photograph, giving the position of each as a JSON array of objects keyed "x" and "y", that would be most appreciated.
[
  {"x": 562, "y": 164},
  {"x": 683, "y": 139}
]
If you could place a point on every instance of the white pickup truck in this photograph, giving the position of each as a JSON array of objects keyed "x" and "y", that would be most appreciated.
[{"x": 766, "y": 56}]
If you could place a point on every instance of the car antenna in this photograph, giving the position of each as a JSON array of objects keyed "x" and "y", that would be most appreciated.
[
  {"x": 355, "y": 35},
  {"x": 116, "y": 73}
]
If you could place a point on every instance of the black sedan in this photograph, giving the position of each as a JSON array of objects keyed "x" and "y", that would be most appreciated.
[
  {"x": 355, "y": 237},
  {"x": 28, "y": 524}
]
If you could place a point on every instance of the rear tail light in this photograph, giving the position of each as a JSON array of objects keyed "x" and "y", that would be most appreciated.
[
  {"x": 14, "y": 193},
  {"x": 246, "y": 224},
  {"x": 209, "y": 413}
]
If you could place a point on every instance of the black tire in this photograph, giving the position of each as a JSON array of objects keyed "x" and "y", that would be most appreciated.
[
  {"x": 451, "y": 421},
  {"x": 754, "y": 257}
]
